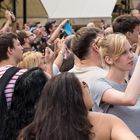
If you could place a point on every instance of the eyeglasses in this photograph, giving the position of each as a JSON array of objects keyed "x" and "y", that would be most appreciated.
[{"x": 84, "y": 84}]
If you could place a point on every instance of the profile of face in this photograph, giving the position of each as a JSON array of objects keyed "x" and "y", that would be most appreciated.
[
  {"x": 126, "y": 60},
  {"x": 17, "y": 51},
  {"x": 123, "y": 60},
  {"x": 86, "y": 95},
  {"x": 31, "y": 37},
  {"x": 133, "y": 36}
]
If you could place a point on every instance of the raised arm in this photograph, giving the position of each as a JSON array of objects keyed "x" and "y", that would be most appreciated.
[
  {"x": 131, "y": 94},
  {"x": 57, "y": 31},
  {"x": 61, "y": 48},
  {"x": 8, "y": 21}
]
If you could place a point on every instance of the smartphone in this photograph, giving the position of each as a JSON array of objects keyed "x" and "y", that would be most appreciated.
[{"x": 68, "y": 28}]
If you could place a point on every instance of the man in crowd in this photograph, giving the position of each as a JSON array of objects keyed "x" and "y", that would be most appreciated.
[{"x": 10, "y": 55}]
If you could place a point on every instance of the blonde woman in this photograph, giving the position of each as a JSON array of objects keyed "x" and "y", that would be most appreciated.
[
  {"x": 113, "y": 93},
  {"x": 46, "y": 62},
  {"x": 31, "y": 59},
  {"x": 36, "y": 59}
]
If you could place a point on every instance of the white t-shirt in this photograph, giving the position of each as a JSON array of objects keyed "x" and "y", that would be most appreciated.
[{"x": 89, "y": 74}]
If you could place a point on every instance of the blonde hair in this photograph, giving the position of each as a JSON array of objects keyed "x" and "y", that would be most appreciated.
[
  {"x": 108, "y": 31},
  {"x": 30, "y": 59},
  {"x": 134, "y": 12},
  {"x": 112, "y": 45}
]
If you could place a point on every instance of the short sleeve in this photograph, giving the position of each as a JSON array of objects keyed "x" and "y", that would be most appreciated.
[{"x": 97, "y": 90}]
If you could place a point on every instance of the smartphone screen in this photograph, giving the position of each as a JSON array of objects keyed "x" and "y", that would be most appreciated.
[{"x": 68, "y": 28}]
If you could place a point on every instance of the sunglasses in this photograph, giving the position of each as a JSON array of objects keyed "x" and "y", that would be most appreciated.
[{"x": 84, "y": 84}]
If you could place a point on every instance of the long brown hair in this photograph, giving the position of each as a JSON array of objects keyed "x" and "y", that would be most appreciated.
[{"x": 61, "y": 112}]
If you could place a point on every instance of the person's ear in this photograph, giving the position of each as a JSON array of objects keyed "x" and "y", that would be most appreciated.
[
  {"x": 10, "y": 51},
  {"x": 128, "y": 35},
  {"x": 95, "y": 47},
  {"x": 108, "y": 60}
]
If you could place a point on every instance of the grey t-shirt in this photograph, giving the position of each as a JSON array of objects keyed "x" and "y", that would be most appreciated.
[{"x": 129, "y": 114}]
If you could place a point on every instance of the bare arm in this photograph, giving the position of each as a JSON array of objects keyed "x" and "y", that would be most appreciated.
[
  {"x": 14, "y": 26},
  {"x": 61, "y": 50},
  {"x": 8, "y": 22},
  {"x": 11, "y": 20},
  {"x": 131, "y": 94},
  {"x": 57, "y": 31},
  {"x": 48, "y": 60}
]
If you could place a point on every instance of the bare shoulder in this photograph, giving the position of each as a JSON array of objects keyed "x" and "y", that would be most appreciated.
[
  {"x": 101, "y": 116},
  {"x": 101, "y": 125},
  {"x": 110, "y": 127},
  {"x": 109, "y": 118},
  {"x": 98, "y": 119}
]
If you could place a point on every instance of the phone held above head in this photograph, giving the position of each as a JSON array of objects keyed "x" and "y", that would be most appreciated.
[{"x": 68, "y": 28}]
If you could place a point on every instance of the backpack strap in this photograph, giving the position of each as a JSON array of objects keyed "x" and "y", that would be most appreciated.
[
  {"x": 6, "y": 77},
  {"x": 4, "y": 81},
  {"x": 3, "y": 103}
]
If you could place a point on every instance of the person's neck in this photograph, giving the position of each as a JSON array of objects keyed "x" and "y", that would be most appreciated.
[
  {"x": 116, "y": 75},
  {"x": 7, "y": 62},
  {"x": 131, "y": 43},
  {"x": 87, "y": 63}
]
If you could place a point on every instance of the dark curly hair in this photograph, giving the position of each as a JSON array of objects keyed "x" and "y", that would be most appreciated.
[
  {"x": 61, "y": 113},
  {"x": 27, "y": 91}
]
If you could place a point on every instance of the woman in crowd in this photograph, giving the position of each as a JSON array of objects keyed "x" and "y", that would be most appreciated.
[
  {"x": 111, "y": 94},
  {"x": 26, "y": 94},
  {"x": 46, "y": 61},
  {"x": 62, "y": 114},
  {"x": 31, "y": 59}
]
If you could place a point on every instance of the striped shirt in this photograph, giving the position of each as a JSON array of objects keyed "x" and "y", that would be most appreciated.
[{"x": 9, "y": 89}]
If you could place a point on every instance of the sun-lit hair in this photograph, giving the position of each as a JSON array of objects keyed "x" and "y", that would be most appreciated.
[
  {"x": 30, "y": 59},
  {"x": 108, "y": 31},
  {"x": 112, "y": 45}
]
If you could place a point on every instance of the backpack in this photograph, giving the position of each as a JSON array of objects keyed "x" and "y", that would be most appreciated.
[{"x": 3, "y": 82}]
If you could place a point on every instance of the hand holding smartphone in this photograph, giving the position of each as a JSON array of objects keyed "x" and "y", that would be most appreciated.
[{"x": 68, "y": 28}]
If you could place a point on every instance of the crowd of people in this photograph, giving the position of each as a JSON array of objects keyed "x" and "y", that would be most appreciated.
[{"x": 80, "y": 85}]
